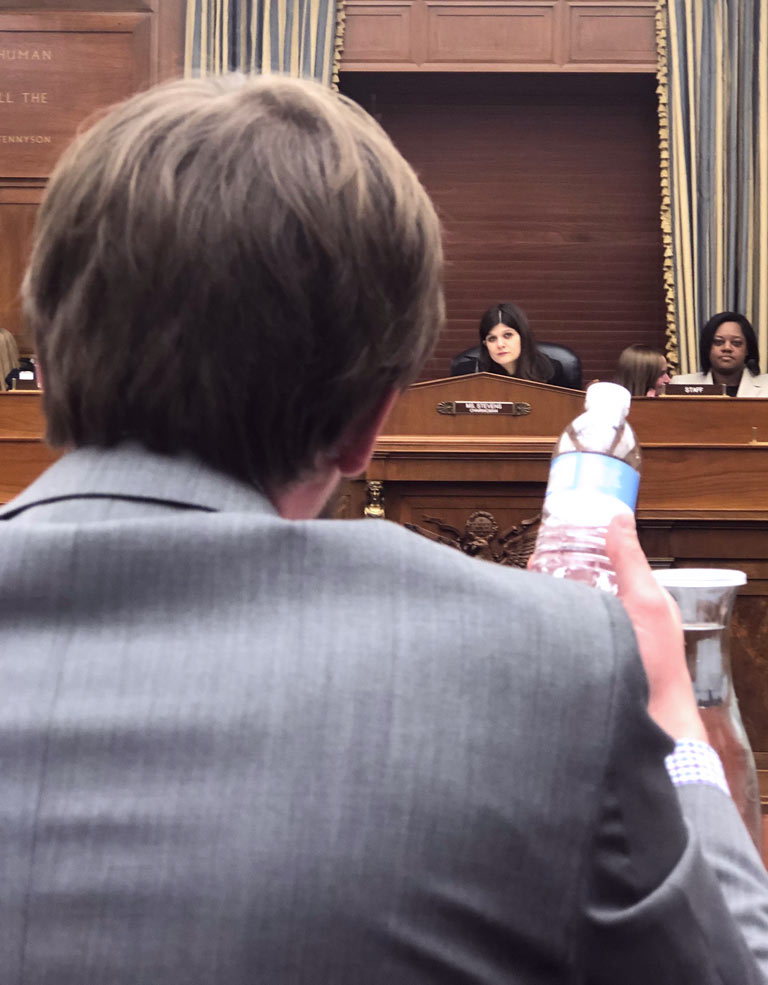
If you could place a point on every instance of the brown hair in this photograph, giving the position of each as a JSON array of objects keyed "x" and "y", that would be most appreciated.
[
  {"x": 233, "y": 268},
  {"x": 639, "y": 368}
]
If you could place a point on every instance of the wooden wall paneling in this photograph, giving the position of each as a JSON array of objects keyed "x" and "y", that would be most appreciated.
[
  {"x": 170, "y": 36},
  {"x": 18, "y": 206},
  {"x": 21, "y": 414},
  {"x": 508, "y": 34},
  {"x": 749, "y": 661},
  {"x": 167, "y": 20},
  {"x": 145, "y": 54},
  {"x": 92, "y": 6},
  {"x": 23, "y": 453},
  {"x": 704, "y": 483},
  {"x": 548, "y": 190},
  {"x": 727, "y": 422},
  {"x": 21, "y": 462},
  {"x": 75, "y": 64},
  {"x": 379, "y": 34},
  {"x": 601, "y": 34}
]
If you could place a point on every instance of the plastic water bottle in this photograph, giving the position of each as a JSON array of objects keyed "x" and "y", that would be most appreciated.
[{"x": 594, "y": 476}]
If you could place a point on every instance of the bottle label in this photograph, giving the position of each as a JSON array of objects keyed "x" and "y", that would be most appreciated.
[{"x": 593, "y": 474}]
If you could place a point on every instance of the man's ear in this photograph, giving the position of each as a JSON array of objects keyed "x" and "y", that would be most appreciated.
[{"x": 356, "y": 447}]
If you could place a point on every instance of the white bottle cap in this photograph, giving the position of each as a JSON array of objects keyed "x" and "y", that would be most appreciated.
[{"x": 609, "y": 398}]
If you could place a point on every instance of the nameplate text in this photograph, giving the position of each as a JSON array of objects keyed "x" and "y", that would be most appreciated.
[
  {"x": 694, "y": 390},
  {"x": 508, "y": 407}
]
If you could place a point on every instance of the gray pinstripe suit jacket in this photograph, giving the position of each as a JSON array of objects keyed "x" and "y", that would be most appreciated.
[{"x": 236, "y": 749}]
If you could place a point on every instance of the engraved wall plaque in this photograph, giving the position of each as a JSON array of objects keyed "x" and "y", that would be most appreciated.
[{"x": 55, "y": 73}]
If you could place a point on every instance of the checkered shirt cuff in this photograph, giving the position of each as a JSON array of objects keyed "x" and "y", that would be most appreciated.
[{"x": 694, "y": 761}]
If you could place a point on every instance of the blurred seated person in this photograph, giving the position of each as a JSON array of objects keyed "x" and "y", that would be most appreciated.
[
  {"x": 642, "y": 370},
  {"x": 9, "y": 357},
  {"x": 23, "y": 376},
  {"x": 728, "y": 354},
  {"x": 508, "y": 348}
]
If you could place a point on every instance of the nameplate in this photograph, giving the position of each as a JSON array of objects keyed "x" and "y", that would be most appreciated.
[
  {"x": 508, "y": 407},
  {"x": 25, "y": 381},
  {"x": 694, "y": 390}
]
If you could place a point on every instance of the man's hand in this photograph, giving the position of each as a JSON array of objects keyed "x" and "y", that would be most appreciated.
[{"x": 659, "y": 631}]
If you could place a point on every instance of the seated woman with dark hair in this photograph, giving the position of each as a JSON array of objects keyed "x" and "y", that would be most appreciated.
[
  {"x": 509, "y": 348},
  {"x": 642, "y": 370},
  {"x": 728, "y": 347}
]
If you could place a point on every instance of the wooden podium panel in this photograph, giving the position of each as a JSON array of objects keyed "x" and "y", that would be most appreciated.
[
  {"x": 703, "y": 421},
  {"x": 23, "y": 453},
  {"x": 545, "y": 412},
  {"x": 21, "y": 461},
  {"x": 21, "y": 414}
]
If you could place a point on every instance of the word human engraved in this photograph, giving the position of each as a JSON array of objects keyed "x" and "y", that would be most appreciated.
[{"x": 26, "y": 55}]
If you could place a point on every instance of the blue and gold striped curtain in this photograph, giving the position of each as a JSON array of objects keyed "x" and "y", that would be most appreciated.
[
  {"x": 302, "y": 38},
  {"x": 713, "y": 109}
]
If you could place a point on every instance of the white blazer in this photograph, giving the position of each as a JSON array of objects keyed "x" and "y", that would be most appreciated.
[{"x": 750, "y": 386}]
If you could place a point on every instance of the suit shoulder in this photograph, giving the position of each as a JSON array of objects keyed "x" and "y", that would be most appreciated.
[{"x": 509, "y": 604}]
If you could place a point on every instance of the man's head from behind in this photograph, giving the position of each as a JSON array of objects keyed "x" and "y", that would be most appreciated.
[{"x": 239, "y": 269}]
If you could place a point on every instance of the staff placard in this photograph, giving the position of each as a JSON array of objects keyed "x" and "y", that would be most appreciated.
[{"x": 693, "y": 390}]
